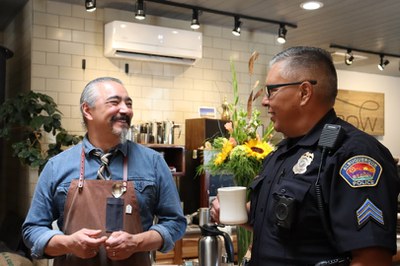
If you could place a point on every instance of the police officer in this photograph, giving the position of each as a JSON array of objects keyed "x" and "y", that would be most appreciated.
[{"x": 328, "y": 194}]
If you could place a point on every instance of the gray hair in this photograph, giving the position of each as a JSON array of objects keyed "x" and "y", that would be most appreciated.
[
  {"x": 89, "y": 93},
  {"x": 310, "y": 63}
]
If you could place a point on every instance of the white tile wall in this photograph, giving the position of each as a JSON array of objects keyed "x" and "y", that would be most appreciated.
[{"x": 63, "y": 35}]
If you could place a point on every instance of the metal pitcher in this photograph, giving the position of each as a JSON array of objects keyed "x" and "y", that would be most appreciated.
[
  {"x": 211, "y": 252},
  {"x": 169, "y": 131},
  {"x": 210, "y": 247},
  {"x": 158, "y": 132}
]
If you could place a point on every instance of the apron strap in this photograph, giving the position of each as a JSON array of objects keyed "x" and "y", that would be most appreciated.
[{"x": 82, "y": 171}]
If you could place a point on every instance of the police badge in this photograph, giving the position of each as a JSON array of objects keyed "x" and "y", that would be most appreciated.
[{"x": 305, "y": 160}]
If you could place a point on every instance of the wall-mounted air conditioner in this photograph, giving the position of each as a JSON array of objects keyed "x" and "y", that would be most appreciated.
[{"x": 151, "y": 43}]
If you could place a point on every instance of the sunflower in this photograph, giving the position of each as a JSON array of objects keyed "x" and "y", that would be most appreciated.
[
  {"x": 226, "y": 149},
  {"x": 258, "y": 149}
]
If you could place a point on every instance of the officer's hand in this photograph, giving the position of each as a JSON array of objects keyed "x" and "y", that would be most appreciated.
[
  {"x": 214, "y": 211},
  {"x": 85, "y": 243},
  {"x": 121, "y": 245}
]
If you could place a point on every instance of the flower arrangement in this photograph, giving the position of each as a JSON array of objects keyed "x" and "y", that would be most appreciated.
[{"x": 243, "y": 151}]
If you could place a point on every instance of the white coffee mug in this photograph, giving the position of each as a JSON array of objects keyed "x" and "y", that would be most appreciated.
[{"x": 232, "y": 205}]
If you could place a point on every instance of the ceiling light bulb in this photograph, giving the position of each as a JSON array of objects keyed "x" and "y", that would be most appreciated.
[
  {"x": 348, "y": 58},
  {"x": 140, "y": 15},
  {"x": 311, "y": 5},
  {"x": 236, "y": 29},
  {"x": 195, "y": 20},
  {"x": 281, "y": 34},
  {"x": 383, "y": 63},
  {"x": 90, "y": 5}
]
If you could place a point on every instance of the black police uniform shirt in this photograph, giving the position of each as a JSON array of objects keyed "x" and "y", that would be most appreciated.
[{"x": 359, "y": 184}]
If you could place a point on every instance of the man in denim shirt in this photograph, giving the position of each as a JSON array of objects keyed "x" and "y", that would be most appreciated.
[{"x": 89, "y": 234}]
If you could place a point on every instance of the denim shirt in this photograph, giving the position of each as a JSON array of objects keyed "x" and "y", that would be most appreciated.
[{"x": 154, "y": 186}]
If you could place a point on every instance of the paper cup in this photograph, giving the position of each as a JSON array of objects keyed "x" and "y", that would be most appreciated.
[{"x": 232, "y": 205}]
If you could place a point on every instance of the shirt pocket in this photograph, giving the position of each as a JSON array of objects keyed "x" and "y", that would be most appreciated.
[
  {"x": 288, "y": 197},
  {"x": 146, "y": 193},
  {"x": 292, "y": 188}
]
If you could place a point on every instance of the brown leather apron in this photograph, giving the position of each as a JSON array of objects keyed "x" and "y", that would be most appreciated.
[{"x": 85, "y": 207}]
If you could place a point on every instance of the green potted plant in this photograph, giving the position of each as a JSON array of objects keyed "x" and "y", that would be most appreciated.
[{"x": 25, "y": 119}]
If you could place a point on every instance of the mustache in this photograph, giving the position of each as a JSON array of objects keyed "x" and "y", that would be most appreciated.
[{"x": 124, "y": 118}]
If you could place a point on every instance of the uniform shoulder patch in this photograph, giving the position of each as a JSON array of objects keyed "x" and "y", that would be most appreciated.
[{"x": 361, "y": 171}]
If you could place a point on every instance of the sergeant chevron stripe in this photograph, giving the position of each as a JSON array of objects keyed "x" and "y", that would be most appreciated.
[{"x": 367, "y": 211}]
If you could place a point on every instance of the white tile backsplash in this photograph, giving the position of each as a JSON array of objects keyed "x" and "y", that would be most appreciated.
[
  {"x": 58, "y": 85},
  {"x": 45, "y": 45},
  {"x": 39, "y": 31},
  {"x": 71, "y": 48},
  {"x": 71, "y": 73},
  {"x": 58, "y": 59},
  {"x": 53, "y": 33},
  {"x": 59, "y": 8},
  {"x": 45, "y": 19},
  {"x": 63, "y": 35},
  {"x": 44, "y": 71},
  {"x": 73, "y": 23}
]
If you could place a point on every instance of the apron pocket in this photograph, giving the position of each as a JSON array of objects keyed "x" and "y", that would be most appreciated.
[{"x": 114, "y": 214}]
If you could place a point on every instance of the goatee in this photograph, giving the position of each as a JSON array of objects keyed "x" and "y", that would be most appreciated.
[
  {"x": 123, "y": 135},
  {"x": 122, "y": 132}
]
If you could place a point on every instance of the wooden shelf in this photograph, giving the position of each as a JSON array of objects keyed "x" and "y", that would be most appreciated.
[{"x": 174, "y": 155}]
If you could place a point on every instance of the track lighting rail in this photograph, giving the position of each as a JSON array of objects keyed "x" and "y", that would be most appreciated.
[
  {"x": 363, "y": 51},
  {"x": 382, "y": 61},
  {"x": 224, "y": 13}
]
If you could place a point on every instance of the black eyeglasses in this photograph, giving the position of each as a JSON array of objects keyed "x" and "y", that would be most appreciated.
[{"x": 269, "y": 89}]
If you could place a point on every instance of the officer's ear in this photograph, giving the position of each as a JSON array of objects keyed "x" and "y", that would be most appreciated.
[{"x": 306, "y": 92}]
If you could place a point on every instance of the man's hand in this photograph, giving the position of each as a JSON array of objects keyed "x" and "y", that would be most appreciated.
[
  {"x": 84, "y": 244},
  {"x": 121, "y": 245},
  {"x": 214, "y": 211}
]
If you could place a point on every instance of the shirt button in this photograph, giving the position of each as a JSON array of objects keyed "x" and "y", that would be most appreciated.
[{"x": 283, "y": 190}]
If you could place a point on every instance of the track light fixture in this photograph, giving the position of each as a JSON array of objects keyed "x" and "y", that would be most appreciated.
[
  {"x": 235, "y": 31},
  {"x": 382, "y": 63},
  {"x": 140, "y": 15},
  {"x": 195, "y": 20},
  {"x": 281, "y": 34},
  {"x": 90, "y": 5},
  {"x": 236, "y": 28},
  {"x": 348, "y": 57}
]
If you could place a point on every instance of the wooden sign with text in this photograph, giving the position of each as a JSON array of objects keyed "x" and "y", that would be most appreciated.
[{"x": 364, "y": 110}]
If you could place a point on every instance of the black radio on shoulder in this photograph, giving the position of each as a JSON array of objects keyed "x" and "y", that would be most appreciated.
[{"x": 285, "y": 211}]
